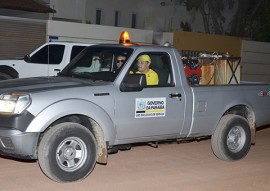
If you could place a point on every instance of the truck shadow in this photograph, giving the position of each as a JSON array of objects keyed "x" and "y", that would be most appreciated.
[
  {"x": 18, "y": 160},
  {"x": 263, "y": 127}
]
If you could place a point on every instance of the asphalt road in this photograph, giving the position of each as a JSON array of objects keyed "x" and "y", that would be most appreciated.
[{"x": 170, "y": 167}]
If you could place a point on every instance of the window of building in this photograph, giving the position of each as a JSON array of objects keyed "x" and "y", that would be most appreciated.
[
  {"x": 133, "y": 20},
  {"x": 98, "y": 16},
  {"x": 116, "y": 18}
]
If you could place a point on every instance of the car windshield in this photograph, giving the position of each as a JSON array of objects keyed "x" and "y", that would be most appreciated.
[{"x": 97, "y": 63}]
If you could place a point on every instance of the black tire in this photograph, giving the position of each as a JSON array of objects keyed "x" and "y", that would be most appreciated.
[
  {"x": 232, "y": 138},
  {"x": 67, "y": 152},
  {"x": 4, "y": 76}
]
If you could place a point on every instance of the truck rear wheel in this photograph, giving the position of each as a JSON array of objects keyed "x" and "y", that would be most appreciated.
[
  {"x": 232, "y": 138},
  {"x": 4, "y": 76},
  {"x": 67, "y": 152}
]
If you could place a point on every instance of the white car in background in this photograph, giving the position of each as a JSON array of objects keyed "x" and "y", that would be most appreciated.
[{"x": 47, "y": 60}]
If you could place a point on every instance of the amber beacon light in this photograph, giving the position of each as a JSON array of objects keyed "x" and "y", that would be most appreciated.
[{"x": 124, "y": 38}]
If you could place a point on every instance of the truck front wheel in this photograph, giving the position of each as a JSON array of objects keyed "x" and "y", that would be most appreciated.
[
  {"x": 232, "y": 138},
  {"x": 67, "y": 152}
]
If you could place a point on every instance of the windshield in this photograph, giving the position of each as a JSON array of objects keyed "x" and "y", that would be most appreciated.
[{"x": 97, "y": 63}]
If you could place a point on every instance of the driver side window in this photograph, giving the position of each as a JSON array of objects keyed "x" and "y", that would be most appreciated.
[{"x": 156, "y": 66}]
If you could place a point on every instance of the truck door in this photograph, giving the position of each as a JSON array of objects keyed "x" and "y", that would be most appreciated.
[
  {"x": 155, "y": 111},
  {"x": 44, "y": 61}
]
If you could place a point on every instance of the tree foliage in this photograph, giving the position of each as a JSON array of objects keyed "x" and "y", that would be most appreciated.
[
  {"x": 211, "y": 11},
  {"x": 251, "y": 19}
]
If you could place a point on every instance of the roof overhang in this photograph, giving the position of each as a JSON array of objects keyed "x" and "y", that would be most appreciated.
[{"x": 26, "y": 5}]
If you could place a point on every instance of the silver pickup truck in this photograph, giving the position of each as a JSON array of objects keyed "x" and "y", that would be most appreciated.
[{"x": 74, "y": 120}]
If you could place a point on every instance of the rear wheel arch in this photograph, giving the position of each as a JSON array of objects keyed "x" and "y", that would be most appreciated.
[
  {"x": 246, "y": 112},
  {"x": 9, "y": 72}
]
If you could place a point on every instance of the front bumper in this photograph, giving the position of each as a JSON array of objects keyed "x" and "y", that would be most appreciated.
[{"x": 17, "y": 144}]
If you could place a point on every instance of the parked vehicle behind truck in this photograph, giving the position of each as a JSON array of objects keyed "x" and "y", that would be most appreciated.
[
  {"x": 46, "y": 60},
  {"x": 73, "y": 121}
]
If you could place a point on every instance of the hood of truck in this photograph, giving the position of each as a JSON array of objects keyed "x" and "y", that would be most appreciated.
[{"x": 46, "y": 84}]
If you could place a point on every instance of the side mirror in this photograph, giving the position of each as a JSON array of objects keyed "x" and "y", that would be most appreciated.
[
  {"x": 133, "y": 82},
  {"x": 27, "y": 58}
]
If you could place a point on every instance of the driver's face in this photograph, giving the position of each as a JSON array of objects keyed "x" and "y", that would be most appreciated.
[{"x": 143, "y": 66}]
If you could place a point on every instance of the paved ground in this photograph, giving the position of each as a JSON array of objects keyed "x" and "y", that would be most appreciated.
[{"x": 170, "y": 167}]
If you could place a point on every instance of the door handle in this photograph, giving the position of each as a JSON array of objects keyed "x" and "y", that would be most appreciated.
[
  {"x": 57, "y": 70},
  {"x": 172, "y": 95}
]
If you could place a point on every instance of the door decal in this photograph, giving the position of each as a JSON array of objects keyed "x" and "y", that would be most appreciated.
[{"x": 150, "y": 107}]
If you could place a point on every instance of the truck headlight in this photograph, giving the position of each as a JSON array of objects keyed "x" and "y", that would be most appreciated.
[{"x": 14, "y": 103}]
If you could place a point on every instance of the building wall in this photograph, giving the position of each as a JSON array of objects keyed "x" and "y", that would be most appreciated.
[
  {"x": 207, "y": 43},
  {"x": 20, "y": 36},
  {"x": 79, "y": 32},
  {"x": 255, "y": 61},
  {"x": 149, "y": 14},
  {"x": 165, "y": 15},
  {"x": 69, "y": 10}
]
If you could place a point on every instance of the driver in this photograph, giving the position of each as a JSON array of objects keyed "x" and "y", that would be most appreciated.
[{"x": 143, "y": 64}]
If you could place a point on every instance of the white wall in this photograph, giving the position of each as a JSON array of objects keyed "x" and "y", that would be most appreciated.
[
  {"x": 79, "y": 32},
  {"x": 255, "y": 61}
]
